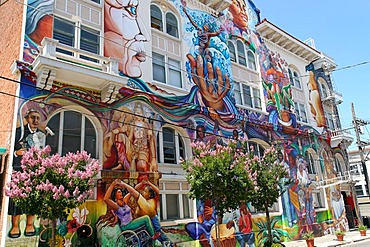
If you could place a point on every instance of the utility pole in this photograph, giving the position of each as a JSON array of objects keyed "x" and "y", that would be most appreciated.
[{"x": 357, "y": 124}]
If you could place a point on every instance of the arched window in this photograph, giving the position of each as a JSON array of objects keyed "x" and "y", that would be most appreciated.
[
  {"x": 171, "y": 25},
  {"x": 294, "y": 78},
  {"x": 324, "y": 91},
  {"x": 241, "y": 53},
  {"x": 73, "y": 132},
  {"x": 290, "y": 77},
  {"x": 231, "y": 51},
  {"x": 170, "y": 146},
  {"x": 310, "y": 163},
  {"x": 251, "y": 60},
  {"x": 258, "y": 149},
  {"x": 156, "y": 17},
  {"x": 338, "y": 167},
  {"x": 297, "y": 80}
]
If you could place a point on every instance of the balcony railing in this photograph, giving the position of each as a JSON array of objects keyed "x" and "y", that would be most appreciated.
[
  {"x": 340, "y": 136},
  {"x": 77, "y": 67},
  {"x": 339, "y": 179},
  {"x": 334, "y": 97},
  {"x": 53, "y": 49}
]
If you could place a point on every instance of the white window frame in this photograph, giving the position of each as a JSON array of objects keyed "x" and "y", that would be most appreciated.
[
  {"x": 330, "y": 121},
  {"x": 164, "y": 17},
  {"x": 161, "y": 18},
  {"x": 60, "y": 131},
  {"x": 78, "y": 27},
  {"x": 251, "y": 62},
  {"x": 294, "y": 78},
  {"x": 180, "y": 192},
  {"x": 177, "y": 140},
  {"x": 241, "y": 53},
  {"x": 239, "y": 88},
  {"x": 298, "y": 110},
  {"x": 168, "y": 68},
  {"x": 310, "y": 163},
  {"x": 232, "y": 50},
  {"x": 324, "y": 90},
  {"x": 318, "y": 199}
]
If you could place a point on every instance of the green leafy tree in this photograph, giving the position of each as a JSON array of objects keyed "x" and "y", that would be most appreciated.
[
  {"x": 269, "y": 174},
  {"x": 221, "y": 174}
]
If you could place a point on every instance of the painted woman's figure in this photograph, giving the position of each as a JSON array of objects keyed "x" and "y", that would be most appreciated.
[{"x": 115, "y": 200}]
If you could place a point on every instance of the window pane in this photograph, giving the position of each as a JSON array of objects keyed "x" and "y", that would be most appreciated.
[
  {"x": 251, "y": 60},
  {"x": 256, "y": 98},
  {"x": 158, "y": 68},
  {"x": 231, "y": 51},
  {"x": 71, "y": 132},
  {"x": 52, "y": 141},
  {"x": 181, "y": 147},
  {"x": 297, "y": 111},
  {"x": 297, "y": 80},
  {"x": 359, "y": 190},
  {"x": 338, "y": 167},
  {"x": 324, "y": 91},
  {"x": 89, "y": 42},
  {"x": 171, "y": 25},
  {"x": 241, "y": 53},
  {"x": 247, "y": 95},
  {"x": 172, "y": 203},
  {"x": 186, "y": 209},
  {"x": 156, "y": 17},
  {"x": 261, "y": 151},
  {"x": 303, "y": 114},
  {"x": 90, "y": 138},
  {"x": 237, "y": 94},
  {"x": 64, "y": 31},
  {"x": 310, "y": 164},
  {"x": 169, "y": 148},
  {"x": 174, "y": 73},
  {"x": 290, "y": 77}
]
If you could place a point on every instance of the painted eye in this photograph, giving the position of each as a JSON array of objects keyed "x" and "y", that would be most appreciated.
[
  {"x": 34, "y": 51},
  {"x": 133, "y": 10},
  {"x": 26, "y": 45}
]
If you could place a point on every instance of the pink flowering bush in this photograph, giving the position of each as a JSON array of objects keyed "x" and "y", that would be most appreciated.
[{"x": 48, "y": 185}]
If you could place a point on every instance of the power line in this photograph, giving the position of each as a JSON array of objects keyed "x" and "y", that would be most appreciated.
[{"x": 252, "y": 121}]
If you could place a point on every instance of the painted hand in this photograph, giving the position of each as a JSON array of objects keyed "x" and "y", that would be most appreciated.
[{"x": 213, "y": 89}]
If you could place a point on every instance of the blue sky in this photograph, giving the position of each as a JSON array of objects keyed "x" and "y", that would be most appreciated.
[{"x": 340, "y": 29}]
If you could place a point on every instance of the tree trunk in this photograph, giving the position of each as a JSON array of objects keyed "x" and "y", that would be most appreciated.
[
  {"x": 218, "y": 242},
  {"x": 268, "y": 223},
  {"x": 53, "y": 230}
]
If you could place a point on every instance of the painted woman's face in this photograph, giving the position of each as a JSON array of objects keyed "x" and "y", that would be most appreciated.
[
  {"x": 146, "y": 193},
  {"x": 239, "y": 13},
  {"x": 119, "y": 194},
  {"x": 125, "y": 35}
]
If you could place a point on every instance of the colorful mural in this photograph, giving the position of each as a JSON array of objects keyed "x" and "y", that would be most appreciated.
[{"x": 126, "y": 208}]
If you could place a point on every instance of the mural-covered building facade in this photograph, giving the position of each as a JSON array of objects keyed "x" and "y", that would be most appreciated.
[{"x": 134, "y": 83}]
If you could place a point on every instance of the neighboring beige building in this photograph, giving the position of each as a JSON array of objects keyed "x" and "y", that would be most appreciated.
[{"x": 358, "y": 173}]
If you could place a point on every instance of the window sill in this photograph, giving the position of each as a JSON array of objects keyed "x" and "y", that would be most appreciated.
[
  {"x": 252, "y": 109},
  {"x": 245, "y": 67},
  {"x": 172, "y": 89},
  {"x": 165, "y": 35},
  {"x": 176, "y": 222}
]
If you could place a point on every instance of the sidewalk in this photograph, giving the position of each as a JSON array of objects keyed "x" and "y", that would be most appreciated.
[{"x": 331, "y": 240}]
